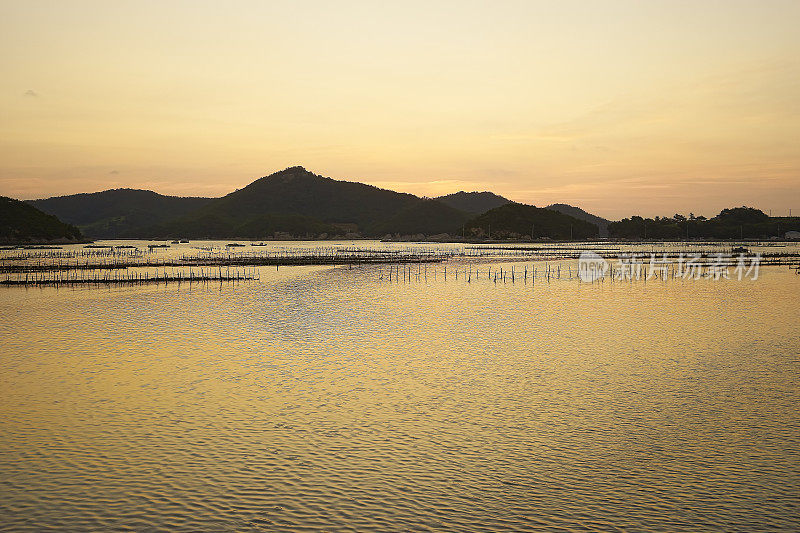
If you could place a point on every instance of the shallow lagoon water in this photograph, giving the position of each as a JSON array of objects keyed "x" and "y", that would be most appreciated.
[{"x": 330, "y": 399}]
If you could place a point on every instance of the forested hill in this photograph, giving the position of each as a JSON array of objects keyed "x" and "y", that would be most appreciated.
[
  {"x": 300, "y": 202},
  {"x": 117, "y": 212},
  {"x": 520, "y": 221},
  {"x": 473, "y": 202},
  {"x": 296, "y": 203},
  {"x": 22, "y": 223},
  {"x": 580, "y": 214}
]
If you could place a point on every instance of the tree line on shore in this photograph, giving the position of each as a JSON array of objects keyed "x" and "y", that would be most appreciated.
[{"x": 732, "y": 223}]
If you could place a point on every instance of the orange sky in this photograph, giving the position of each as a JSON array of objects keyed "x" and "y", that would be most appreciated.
[{"x": 618, "y": 107}]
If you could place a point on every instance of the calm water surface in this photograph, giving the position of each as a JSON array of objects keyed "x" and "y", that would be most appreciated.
[{"x": 328, "y": 399}]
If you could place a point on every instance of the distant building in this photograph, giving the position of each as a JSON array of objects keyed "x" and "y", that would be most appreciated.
[{"x": 792, "y": 235}]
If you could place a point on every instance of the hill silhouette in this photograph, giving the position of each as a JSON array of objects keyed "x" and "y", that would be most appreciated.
[
  {"x": 117, "y": 212},
  {"x": 473, "y": 202},
  {"x": 301, "y": 203},
  {"x": 427, "y": 217},
  {"x": 520, "y": 221},
  {"x": 580, "y": 214},
  {"x": 23, "y": 223},
  {"x": 296, "y": 203}
]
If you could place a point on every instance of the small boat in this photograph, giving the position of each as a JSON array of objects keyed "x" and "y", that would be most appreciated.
[{"x": 234, "y": 245}]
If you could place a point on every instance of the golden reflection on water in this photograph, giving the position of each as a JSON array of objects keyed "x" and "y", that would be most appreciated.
[{"x": 330, "y": 399}]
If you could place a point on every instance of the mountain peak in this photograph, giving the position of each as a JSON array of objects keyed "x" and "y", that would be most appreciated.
[
  {"x": 288, "y": 174},
  {"x": 295, "y": 169}
]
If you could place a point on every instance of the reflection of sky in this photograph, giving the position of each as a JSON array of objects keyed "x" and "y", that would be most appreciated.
[{"x": 319, "y": 390}]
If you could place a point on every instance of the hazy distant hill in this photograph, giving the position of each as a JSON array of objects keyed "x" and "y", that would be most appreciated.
[
  {"x": 300, "y": 202},
  {"x": 515, "y": 220},
  {"x": 117, "y": 212},
  {"x": 473, "y": 202},
  {"x": 580, "y": 214},
  {"x": 20, "y": 223}
]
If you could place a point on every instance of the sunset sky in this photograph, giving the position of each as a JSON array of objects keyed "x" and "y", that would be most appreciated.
[{"x": 640, "y": 107}]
